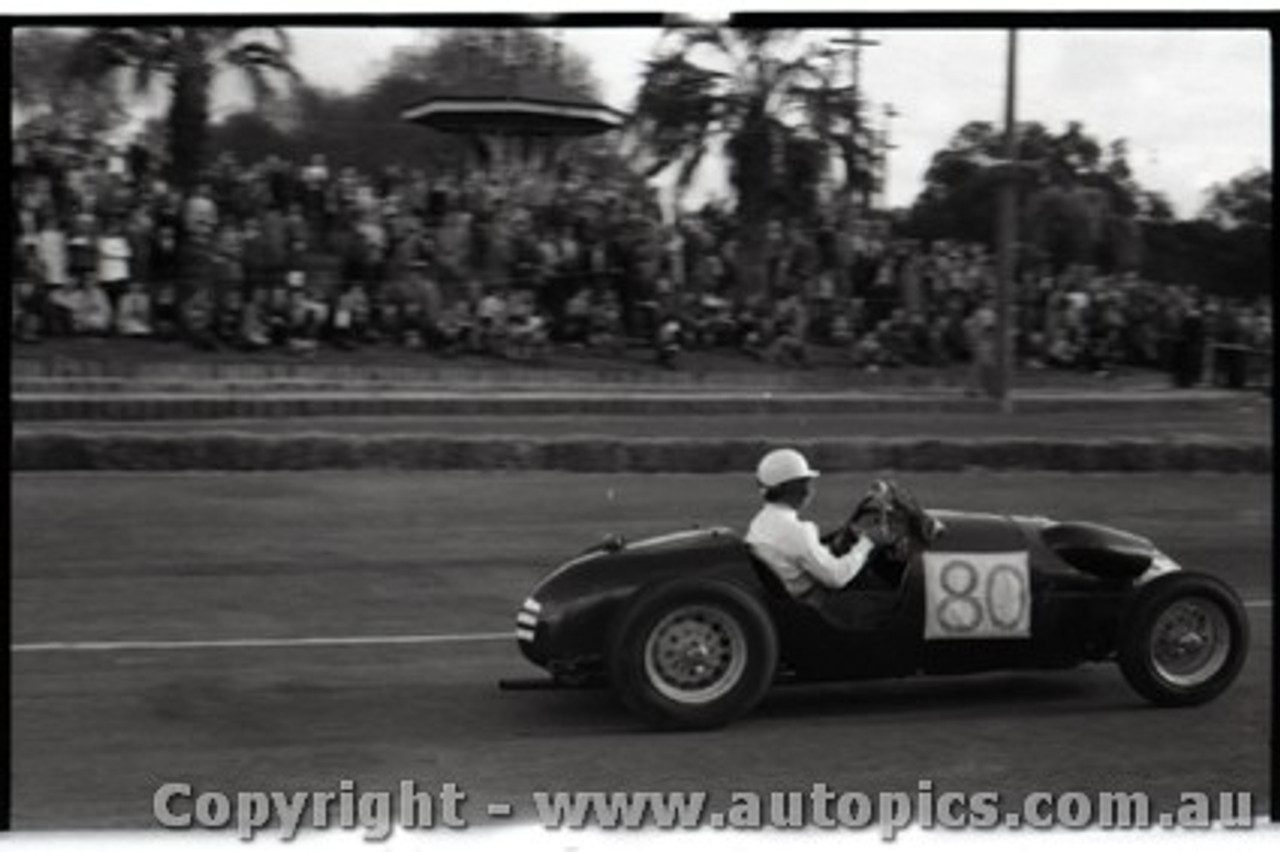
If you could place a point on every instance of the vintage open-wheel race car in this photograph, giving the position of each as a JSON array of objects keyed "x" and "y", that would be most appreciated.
[{"x": 691, "y": 629}]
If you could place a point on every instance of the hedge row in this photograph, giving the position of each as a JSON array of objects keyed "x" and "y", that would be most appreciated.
[
  {"x": 244, "y": 451},
  {"x": 286, "y": 403},
  {"x": 623, "y": 375}
]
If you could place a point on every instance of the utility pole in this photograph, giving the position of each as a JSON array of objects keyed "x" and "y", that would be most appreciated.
[
  {"x": 886, "y": 145},
  {"x": 1007, "y": 235},
  {"x": 855, "y": 45}
]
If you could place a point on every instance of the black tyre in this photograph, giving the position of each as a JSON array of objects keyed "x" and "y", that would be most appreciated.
[
  {"x": 693, "y": 654},
  {"x": 1184, "y": 639}
]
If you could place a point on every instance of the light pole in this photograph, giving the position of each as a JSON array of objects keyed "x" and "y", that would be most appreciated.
[{"x": 1006, "y": 236}]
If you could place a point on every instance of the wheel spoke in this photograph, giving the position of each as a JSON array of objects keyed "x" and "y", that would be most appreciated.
[
  {"x": 696, "y": 654},
  {"x": 1190, "y": 641}
]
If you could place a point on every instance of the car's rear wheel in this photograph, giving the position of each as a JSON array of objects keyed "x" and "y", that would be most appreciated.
[
  {"x": 1185, "y": 639},
  {"x": 694, "y": 654}
]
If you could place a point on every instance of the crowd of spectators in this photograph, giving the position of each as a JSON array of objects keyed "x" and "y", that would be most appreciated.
[{"x": 514, "y": 263}]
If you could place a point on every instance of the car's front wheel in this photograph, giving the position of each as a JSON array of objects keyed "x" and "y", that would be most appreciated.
[
  {"x": 1184, "y": 640},
  {"x": 693, "y": 654}
]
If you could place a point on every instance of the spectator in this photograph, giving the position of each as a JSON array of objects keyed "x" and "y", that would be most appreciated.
[
  {"x": 133, "y": 316},
  {"x": 315, "y": 178},
  {"x": 582, "y": 243},
  {"x": 351, "y": 318},
  {"x": 577, "y": 318},
  {"x": 307, "y": 314},
  {"x": 29, "y": 291},
  {"x": 606, "y": 332},
  {"x": 61, "y": 306},
  {"x": 200, "y": 214},
  {"x": 718, "y": 321},
  {"x": 526, "y": 330},
  {"x": 455, "y": 329},
  {"x": 755, "y": 328},
  {"x": 895, "y": 337},
  {"x": 113, "y": 260},
  {"x": 491, "y": 322},
  {"x": 869, "y": 354},
  {"x": 166, "y": 258},
  {"x": 940, "y": 354},
  {"x": 841, "y": 330},
  {"x": 82, "y": 248},
  {"x": 667, "y": 342},
  {"x": 370, "y": 249},
  {"x": 297, "y": 233},
  {"x": 256, "y": 260},
  {"x": 52, "y": 250},
  {"x": 277, "y": 314},
  {"x": 980, "y": 330},
  {"x": 452, "y": 248},
  {"x": 166, "y": 320},
  {"x": 228, "y": 314},
  {"x": 198, "y": 318},
  {"x": 227, "y": 258},
  {"x": 139, "y": 230},
  {"x": 791, "y": 324},
  {"x": 92, "y": 312},
  {"x": 255, "y": 325}
]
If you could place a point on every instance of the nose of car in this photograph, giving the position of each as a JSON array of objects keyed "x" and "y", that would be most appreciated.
[{"x": 527, "y": 620}]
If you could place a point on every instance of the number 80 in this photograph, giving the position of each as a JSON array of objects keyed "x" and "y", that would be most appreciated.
[{"x": 962, "y": 610}]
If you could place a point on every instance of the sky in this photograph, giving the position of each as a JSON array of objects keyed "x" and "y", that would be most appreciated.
[{"x": 1193, "y": 105}]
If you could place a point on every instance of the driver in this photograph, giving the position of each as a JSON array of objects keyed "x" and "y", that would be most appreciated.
[{"x": 791, "y": 547}]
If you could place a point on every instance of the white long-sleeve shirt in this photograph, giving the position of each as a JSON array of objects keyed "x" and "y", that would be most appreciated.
[{"x": 794, "y": 550}]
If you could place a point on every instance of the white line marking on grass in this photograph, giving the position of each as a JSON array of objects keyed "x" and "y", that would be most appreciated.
[{"x": 301, "y": 642}]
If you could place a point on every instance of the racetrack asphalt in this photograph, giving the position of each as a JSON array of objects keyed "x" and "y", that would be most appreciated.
[{"x": 207, "y": 558}]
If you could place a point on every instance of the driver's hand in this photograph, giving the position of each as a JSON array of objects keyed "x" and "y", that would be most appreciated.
[
  {"x": 875, "y": 533},
  {"x": 880, "y": 537}
]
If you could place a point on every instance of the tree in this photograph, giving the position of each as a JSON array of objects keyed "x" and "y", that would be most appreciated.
[
  {"x": 1154, "y": 207},
  {"x": 1078, "y": 204},
  {"x": 1230, "y": 262},
  {"x": 251, "y": 137},
  {"x": 340, "y": 125},
  {"x": 1245, "y": 200},
  {"x": 457, "y": 54},
  {"x": 44, "y": 95},
  {"x": 762, "y": 96},
  {"x": 835, "y": 117},
  {"x": 190, "y": 58}
]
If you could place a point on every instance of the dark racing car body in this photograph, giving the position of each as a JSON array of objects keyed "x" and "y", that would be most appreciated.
[{"x": 691, "y": 628}]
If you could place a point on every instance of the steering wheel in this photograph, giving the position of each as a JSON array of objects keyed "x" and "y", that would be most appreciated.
[
  {"x": 892, "y": 516},
  {"x": 877, "y": 514}
]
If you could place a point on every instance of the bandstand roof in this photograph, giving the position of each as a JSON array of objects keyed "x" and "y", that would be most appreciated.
[{"x": 528, "y": 101}]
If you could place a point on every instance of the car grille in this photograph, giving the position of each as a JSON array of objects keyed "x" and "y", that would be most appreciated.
[{"x": 527, "y": 620}]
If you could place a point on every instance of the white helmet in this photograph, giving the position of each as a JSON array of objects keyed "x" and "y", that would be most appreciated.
[{"x": 781, "y": 466}]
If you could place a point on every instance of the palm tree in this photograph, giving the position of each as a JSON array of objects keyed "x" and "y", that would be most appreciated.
[
  {"x": 191, "y": 58},
  {"x": 759, "y": 93},
  {"x": 834, "y": 115},
  {"x": 41, "y": 93}
]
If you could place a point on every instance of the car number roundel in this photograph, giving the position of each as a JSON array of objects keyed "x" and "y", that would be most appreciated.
[{"x": 977, "y": 596}]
